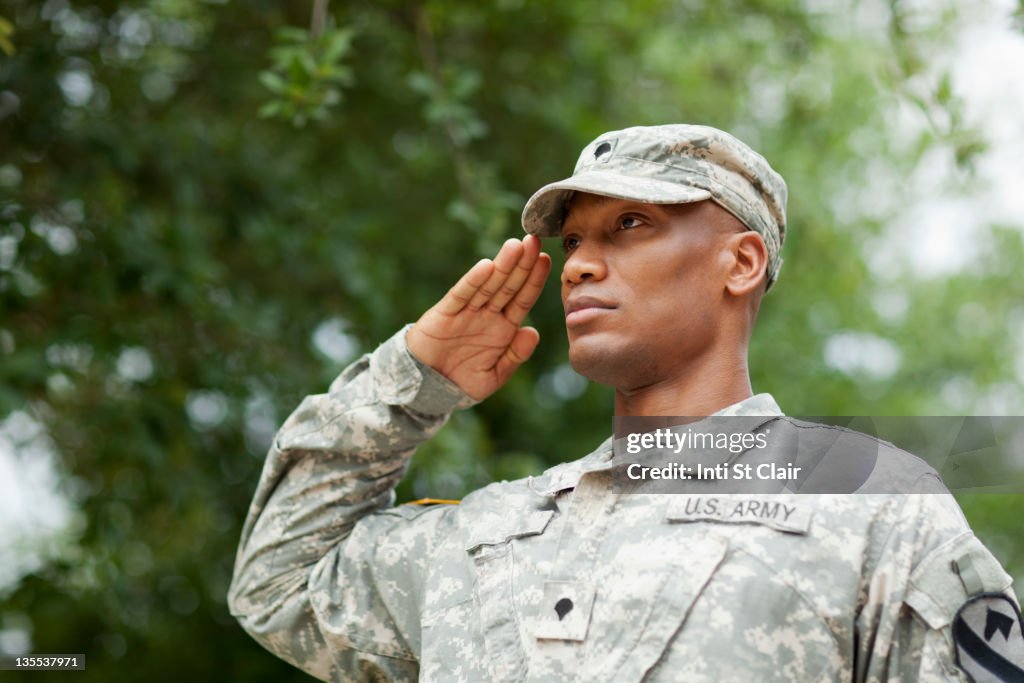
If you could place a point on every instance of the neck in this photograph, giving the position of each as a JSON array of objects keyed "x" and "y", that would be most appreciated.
[{"x": 696, "y": 392}]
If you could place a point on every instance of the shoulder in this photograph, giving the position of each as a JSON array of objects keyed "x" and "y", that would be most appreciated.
[{"x": 837, "y": 459}]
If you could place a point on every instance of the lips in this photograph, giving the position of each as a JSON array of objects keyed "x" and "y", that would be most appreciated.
[{"x": 581, "y": 308}]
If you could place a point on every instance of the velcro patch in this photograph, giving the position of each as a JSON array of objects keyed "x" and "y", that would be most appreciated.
[
  {"x": 565, "y": 612},
  {"x": 778, "y": 512},
  {"x": 989, "y": 639}
]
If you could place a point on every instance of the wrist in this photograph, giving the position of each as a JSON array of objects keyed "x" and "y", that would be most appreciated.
[{"x": 436, "y": 393}]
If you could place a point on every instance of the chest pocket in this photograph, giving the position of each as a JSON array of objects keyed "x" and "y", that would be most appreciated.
[
  {"x": 612, "y": 609},
  {"x": 694, "y": 596},
  {"x": 764, "y": 614},
  {"x": 644, "y": 601},
  {"x": 489, "y": 545}
]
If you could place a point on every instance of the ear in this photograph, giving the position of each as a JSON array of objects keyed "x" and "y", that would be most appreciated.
[{"x": 748, "y": 268}]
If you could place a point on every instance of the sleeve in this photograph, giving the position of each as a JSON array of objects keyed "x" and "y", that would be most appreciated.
[
  {"x": 317, "y": 579},
  {"x": 918, "y": 601}
]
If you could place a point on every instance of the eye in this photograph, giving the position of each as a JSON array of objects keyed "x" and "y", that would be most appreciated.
[
  {"x": 569, "y": 243},
  {"x": 629, "y": 222}
]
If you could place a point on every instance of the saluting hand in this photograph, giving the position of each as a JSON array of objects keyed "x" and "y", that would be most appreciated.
[{"x": 472, "y": 335}]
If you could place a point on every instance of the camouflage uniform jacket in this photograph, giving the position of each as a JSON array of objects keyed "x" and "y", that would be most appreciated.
[{"x": 556, "y": 578}]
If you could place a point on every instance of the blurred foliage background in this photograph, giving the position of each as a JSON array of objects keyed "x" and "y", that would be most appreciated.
[{"x": 207, "y": 208}]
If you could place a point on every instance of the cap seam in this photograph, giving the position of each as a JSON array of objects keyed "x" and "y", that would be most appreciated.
[{"x": 697, "y": 171}]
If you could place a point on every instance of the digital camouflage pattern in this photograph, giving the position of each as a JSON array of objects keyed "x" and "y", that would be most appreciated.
[
  {"x": 672, "y": 164},
  {"x": 557, "y": 578}
]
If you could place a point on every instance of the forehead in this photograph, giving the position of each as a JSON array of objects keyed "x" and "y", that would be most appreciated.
[{"x": 584, "y": 200}]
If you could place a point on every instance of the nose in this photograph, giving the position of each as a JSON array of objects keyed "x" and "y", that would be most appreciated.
[{"x": 585, "y": 262}]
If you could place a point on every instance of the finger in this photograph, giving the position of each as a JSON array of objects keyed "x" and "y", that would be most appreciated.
[
  {"x": 517, "y": 353},
  {"x": 467, "y": 286},
  {"x": 517, "y": 309},
  {"x": 531, "y": 250},
  {"x": 504, "y": 264}
]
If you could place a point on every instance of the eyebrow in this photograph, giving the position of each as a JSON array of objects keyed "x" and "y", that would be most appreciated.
[{"x": 601, "y": 201}]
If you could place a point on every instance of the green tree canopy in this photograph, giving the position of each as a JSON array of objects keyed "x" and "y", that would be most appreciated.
[{"x": 205, "y": 213}]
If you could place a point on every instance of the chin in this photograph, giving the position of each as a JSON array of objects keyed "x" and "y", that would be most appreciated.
[{"x": 614, "y": 365}]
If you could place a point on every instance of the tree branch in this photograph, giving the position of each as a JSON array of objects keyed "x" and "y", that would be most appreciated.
[{"x": 319, "y": 19}]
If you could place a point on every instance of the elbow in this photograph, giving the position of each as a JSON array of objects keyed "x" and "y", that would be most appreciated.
[
  {"x": 276, "y": 613},
  {"x": 244, "y": 596},
  {"x": 256, "y": 594}
]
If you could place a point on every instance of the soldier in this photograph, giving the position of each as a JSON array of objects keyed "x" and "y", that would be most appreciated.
[{"x": 673, "y": 234}]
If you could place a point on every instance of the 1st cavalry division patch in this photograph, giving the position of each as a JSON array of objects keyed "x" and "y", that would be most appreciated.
[{"x": 989, "y": 639}]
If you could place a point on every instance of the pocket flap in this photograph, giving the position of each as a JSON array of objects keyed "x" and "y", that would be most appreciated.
[{"x": 495, "y": 529}]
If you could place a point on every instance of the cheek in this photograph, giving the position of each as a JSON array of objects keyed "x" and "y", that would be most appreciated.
[
  {"x": 672, "y": 265},
  {"x": 674, "y": 283},
  {"x": 679, "y": 307}
]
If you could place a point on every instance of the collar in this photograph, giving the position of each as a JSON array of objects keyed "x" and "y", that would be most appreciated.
[{"x": 566, "y": 475}]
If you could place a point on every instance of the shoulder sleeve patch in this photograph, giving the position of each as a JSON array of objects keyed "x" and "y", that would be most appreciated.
[{"x": 988, "y": 635}]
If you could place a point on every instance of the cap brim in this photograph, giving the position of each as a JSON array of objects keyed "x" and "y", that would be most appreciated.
[{"x": 545, "y": 210}]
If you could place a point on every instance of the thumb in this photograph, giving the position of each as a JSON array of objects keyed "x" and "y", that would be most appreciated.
[{"x": 517, "y": 353}]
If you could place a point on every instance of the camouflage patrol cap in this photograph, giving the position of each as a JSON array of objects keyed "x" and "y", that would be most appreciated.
[{"x": 672, "y": 164}]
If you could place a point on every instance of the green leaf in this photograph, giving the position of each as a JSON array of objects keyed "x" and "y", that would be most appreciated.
[
  {"x": 6, "y": 31},
  {"x": 273, "y": 82},
  {"x": 291, "y": 34},
  {"x": 271, "y": 109},
  {"x": 338, "y": 43},
  {"x": 944, "y": 93}
]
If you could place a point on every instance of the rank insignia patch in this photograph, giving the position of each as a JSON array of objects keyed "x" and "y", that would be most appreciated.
[{"x": 989, "y": 639}]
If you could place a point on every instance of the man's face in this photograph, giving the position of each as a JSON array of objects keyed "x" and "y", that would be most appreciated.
[{"x": 643, "y": 286}]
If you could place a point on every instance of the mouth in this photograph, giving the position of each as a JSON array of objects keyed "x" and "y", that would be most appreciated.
[{"x": 585, "y": 308}]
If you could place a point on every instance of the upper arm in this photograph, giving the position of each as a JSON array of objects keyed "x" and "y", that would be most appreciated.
[
  {"x": 927, "y": 566},
  {"x": 956, "y": 594},
  {"x": 359, "y": 610},
  {"x": 369, "y": 593}
]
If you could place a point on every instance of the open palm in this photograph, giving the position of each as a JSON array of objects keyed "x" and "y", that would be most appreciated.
[{"x": 473, "y": 335}]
